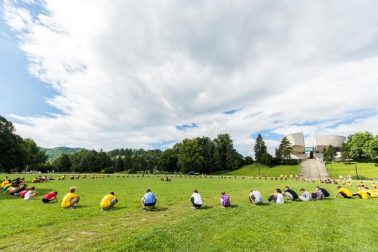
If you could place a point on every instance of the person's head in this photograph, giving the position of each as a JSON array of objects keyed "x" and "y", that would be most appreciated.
[
  {"x": 375, "y": 187},
  {"x": 278, "y": 190},
  {"x": 195, "y": 191},
  {"x": 112, "y": 193},
  {"x": 223, "y": 193},
  {"x": 56, "y": 192},
  {"x": 302, "y": 190},
  {"x": 148, "y": 190},
  {"x": 32, "y": 189},
  {"x": 72, "y": 189},
  {"x": 317, "y": 187},
  {"x": 286, "y": 187},
  {"x": 338, "y": 187}
]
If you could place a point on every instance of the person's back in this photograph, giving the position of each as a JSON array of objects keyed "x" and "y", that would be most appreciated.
[
  {"x": 70, "y": 198},
  {"x": 108, "y": 201},
  {"x": 306, "y": 196},
  {"x": 362, "y": 194},
  {"x": 49, "y": 197},
  {"x": 344, "y": 192},
  {"x": 149, "y": 198},
  {"x": 280, "y": 198},
  {"x": 319, "y": 194},
  {"x": 257, "y": 197},
  {"x": 197, "y": 198},
  {"x": 290, "y": 194},
  {"x": 225, "y": 200}
]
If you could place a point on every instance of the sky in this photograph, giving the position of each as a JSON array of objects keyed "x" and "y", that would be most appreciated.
[{"x": 147, "y": 74}]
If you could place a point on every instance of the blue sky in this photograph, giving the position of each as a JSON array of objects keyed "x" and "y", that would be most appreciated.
[
  {"x": 21, "y": 93},
  {"x": 72, "y": 74}
]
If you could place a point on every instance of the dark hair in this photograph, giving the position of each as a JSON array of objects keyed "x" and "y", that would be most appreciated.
[
  {"x": 56, "y": 192},
  {"x": 112, "y": 193},
  {"x": 302, "y": 189},
  {"x": 223, "y": 193},
  {"x": 338, "y": 187},
  {"x": 32, "y": 188},
  {"x": 278, "y": 190},
  {"x": 195, "y": 190},
  {"x": 287, "y": 187},
  {"x": 148, "y": 190}
]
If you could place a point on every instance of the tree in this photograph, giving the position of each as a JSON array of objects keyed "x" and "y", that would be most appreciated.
[
  {"x": 34, "y": 156},
  {"x": 260, "y": 148},
  {"x": 266, "y": 159},
  {"x": 118, "y": 165},
  {"x": 329, "y": 153},
  {"x": 248, "y": 160},
  {"x": 168, "y": 160},
  {"x": 284, "y": 149},
  {"x": 12, "y": 154},
  {"x": 357, "y": 144},
  {"x": 62, "y": 163},
  {"x": 228, "y": 156},
  {"x": 371, "y": 148}
]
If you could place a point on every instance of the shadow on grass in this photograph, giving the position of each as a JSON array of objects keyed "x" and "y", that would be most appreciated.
[{"x": 157, "y": 209}]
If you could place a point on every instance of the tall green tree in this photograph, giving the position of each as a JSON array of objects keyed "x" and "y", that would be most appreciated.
[
  {"x": 34, "y": 156},
  {"x": 62, "y": 163},
  {"x": 329, "y": 153},
  {"x": 371, "y": 148},
  {"x": 228, "y": 156},
  {"x": 284, "y": 149},
  {"x": 12, "y": 153},
  {"x": 357, "y": 144},
  {"x": 260, "y": 148}
]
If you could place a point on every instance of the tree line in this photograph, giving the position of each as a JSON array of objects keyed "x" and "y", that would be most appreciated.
[
  {"x": 200, "y": 154},
  {"x": 361, "y": 146}
]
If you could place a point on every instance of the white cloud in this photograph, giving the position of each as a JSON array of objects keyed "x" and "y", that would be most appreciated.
[{"x": 127, "y": 72}]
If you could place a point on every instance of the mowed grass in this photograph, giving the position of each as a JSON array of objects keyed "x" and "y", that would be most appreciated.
[
  {"x": 365, "y": 170},
  {"x": 253, "y": 170},
  {"x": 328, "y": 225}
]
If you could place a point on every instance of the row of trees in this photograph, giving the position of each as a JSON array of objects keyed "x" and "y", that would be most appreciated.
[
  {"x": 17, "y": 153},
  {"x": 200, "y": 154}
]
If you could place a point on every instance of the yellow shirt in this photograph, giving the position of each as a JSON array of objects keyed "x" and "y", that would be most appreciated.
[
  {"x": 345, "y": 191},
  {"x": 105, "y": 202},
  {"x": 4, "y": 183},
  {"x": 372, "y": 193},
  {"x": 363, "y": 194},
  {"x": 66, "y": 202}
]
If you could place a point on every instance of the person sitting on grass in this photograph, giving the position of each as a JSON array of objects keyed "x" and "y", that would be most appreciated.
[
  {"x": 225, "y": 200},
  {"x": 362, "y": 193},
  {"x": 196, "y": 199},
  {"x": 20, "y": 189},
  {"x": 255, "y": 197},
  {"x": 277, "y": 197},
  {"x": 306, "y": 196},
  {"x": 324, "y": 191},
  {"x": 50, "y": 197},
  {"x": 30, "y": 194},
  {"x": 344, "y": 192},
  {"x": 70, "y": 199},
  {"x": 371, "y": 193},
  {"x": 149, "y": 199},
  {"x": 318, "y": 194},
  {"x": 290, "y": 194},
  {"x": 108, "y": 201}
]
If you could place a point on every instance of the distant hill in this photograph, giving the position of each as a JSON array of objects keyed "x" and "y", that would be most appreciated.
[{"x": 54, "y": 153}]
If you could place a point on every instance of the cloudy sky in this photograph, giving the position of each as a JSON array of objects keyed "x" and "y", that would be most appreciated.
[{"x": 111, "y": 74}]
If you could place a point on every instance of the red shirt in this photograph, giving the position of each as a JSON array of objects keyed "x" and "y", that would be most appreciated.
[
  {"x": 50, "y": 196},
  {"x": 22, "y": 194}
]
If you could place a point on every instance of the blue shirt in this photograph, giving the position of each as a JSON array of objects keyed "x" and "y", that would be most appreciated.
[{"x": 149, "y": 198}]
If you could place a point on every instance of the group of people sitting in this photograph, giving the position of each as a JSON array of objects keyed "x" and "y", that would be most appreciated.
[{"x": 17, "y": 187}]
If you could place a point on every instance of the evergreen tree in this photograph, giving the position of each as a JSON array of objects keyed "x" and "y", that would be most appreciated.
[
  {"x": 260, "y": 148},
  {"x": 284, "y": 149}
]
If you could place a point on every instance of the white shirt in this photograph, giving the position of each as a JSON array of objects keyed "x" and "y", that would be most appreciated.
[
  {"x": 197, "y": 198},
  {"x": 280, "y": 198},
  {"x": 257, "y": 196},
  {"x": 27, "y": 195}
]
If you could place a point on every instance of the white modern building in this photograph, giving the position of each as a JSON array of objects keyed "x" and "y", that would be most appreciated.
[
  {"x": 322, "y": 141},
  {"x": 299, "y": 149}
]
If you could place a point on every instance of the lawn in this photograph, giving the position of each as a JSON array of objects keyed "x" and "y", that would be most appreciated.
[
  {"x": 328, "y": 225},
  {"x": 275, "y": 171},
  {"x": 365, "y": 170}
]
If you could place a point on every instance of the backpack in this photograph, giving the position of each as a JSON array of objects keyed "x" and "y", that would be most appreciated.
[{"x": 325, "y": 192}]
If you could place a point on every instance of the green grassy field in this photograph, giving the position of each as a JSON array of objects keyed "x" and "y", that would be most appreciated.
[
  {"x": 253, "y": 170},
  {"x": 328, "y": 225},
  {"x": 365, "y": 170}
]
